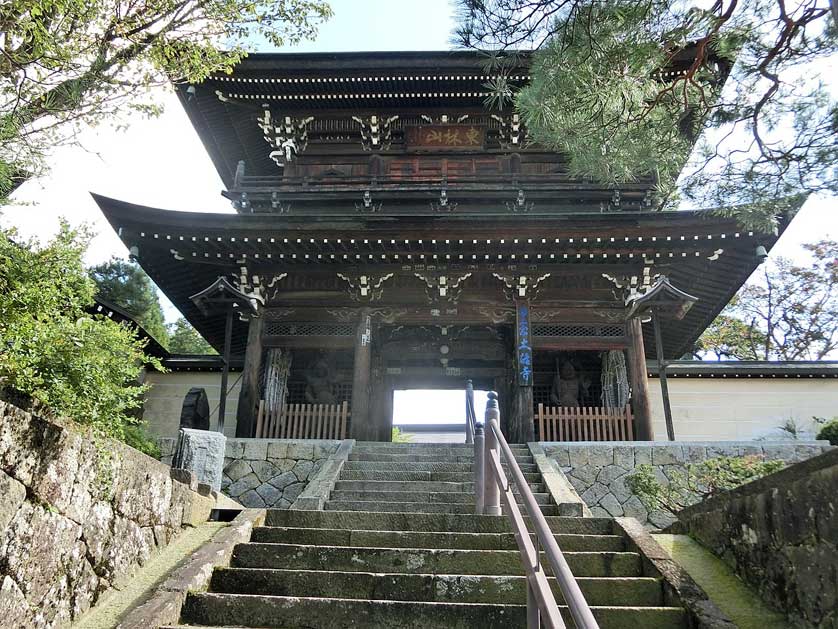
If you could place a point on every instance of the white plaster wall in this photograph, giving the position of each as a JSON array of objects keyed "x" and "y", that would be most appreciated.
[
  {"x": 165, "y": 399},
  {"x": 713, "y": 409},
  {"x": 704, "y": 409}
]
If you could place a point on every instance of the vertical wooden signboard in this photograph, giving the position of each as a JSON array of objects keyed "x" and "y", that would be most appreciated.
[{"x": 523, "y": 346}]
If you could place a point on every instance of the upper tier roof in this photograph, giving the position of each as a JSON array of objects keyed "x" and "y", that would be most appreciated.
[{"x": 224, "y": 108}]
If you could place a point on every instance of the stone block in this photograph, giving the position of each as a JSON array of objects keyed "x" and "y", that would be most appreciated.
[
  {"x": 239, "y": 468},
  {"x": 624, "y": 457},
  {"x": 269, "y": 494},
  {"x": 252, "y": 500},
  {"x": 695, "y": 454},
  {"x": 599, "y": 512},
  {"x": 642, "y": 455},
  {"x": 559, "y": 454},
  {"x": 667, "y": 455},
  {"x": 619, "y": 487},
  {"x": 198, "y": 510},
  {"x": 594, "y": 494},
  {"x": 600, "y": 455},
  {"x": 303, "y": 469},
  {"x": 609, "y": 473},
  {"x": 292, "y": 491},
  {"x": 324, "y": 450},
  {"x": 278, "y": 450},
  {"x": 298, "y": 450},
  {"x": 283, "y": 480},
  {"x": 779, "y": 452},
  {"x": 634, "y": 508},
  {"x": 13, "y": 604},
  {"x": 578, "y": 455},
  {"x": 251, "y": 481},
  {"x": 586, "y": 473},
  {"x": 12, "y": 495},
  {"x": 202, "y": 452},
  {"x": 187, "y": 477},
  {"x": 263, "y": 470},
  {"x": 612, "y": 505},
  {"x": 234, "y": 449},
  {"x": 255, "y": 450}
]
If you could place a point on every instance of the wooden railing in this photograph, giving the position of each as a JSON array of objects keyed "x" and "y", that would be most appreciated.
[
  {"x": 585, "y": 423},
  {"x": 492, "y": 487},
  {"x": 303, "y": 421}
]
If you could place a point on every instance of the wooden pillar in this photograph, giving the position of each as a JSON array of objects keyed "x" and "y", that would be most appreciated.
[
  {"x": 250, "y": 390},
  {"x": 363, "y": 428},
  {"x": 639, "y": 382},
  {"x": 225, "y": 371},
  {"x": 667, "y": 409},
  {"x": 521, "y": 427}
]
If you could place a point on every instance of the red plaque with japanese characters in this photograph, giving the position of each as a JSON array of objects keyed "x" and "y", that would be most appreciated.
[{"x": 446, "y": 137}]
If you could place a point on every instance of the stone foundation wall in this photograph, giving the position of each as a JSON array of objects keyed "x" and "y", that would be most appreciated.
[
  {"x": 598, "y": 471},
  {"x": 78, "y": 517},
  {"x": 272, "y": 472},
  {"x": 780, "y": 535}
]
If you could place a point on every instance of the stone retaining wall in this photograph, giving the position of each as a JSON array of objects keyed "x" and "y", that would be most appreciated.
[
  {"x": 780, "y": 535},
  {"x": 598, "y": 471},
  {"x": 78, "y": 517},
  {"x": 272, "y": 472}
]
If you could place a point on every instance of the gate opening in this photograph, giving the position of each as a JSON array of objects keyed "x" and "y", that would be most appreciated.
[{"x": 433, "y": 415}]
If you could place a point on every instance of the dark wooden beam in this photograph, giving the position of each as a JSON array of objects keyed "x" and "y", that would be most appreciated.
[
  {"x": 639, "y": 382},
  {"x": 363, "y": 428},
  {"x": 521, "y": 426},
  {"x": 250, "y": 393},
  {"x": 667, "y": 410}
]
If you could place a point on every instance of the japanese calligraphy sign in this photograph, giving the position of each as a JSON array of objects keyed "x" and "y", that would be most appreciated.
[
  {"x": 446, "y": 136},
  {"x": 523, "y": 347}
]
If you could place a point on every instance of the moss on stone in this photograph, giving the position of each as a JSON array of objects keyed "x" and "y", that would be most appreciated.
[{"x": 740, "y": 603}]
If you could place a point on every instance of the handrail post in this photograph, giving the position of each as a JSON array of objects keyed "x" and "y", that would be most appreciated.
[
  {"x": 491, "y": 489},
  {"x": 469, "y": 409},
  {"x": 533, "y": 613},
  {"x": 479, "y": 467}
]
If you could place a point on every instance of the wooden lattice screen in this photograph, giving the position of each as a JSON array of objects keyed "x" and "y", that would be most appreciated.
[
  {"x": 585, "y": 423},
  {"x": 303, "y": 421}
]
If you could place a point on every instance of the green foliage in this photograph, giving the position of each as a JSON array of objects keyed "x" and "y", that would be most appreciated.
[
  {"x": 400, "y": 437},
  {"x": 728, "y": 337},
  {"x": 829, "y": 432},
  {"x": 789, "y": 313},
  {"x": 81, "y": 366},
  {"x": 184, "y": 339},
  {"x": 699, "y": 482},
  {"x": 625, "y": 87},
  {"x": 67, "y": 63},
  {"x": 126, "y": 285}
]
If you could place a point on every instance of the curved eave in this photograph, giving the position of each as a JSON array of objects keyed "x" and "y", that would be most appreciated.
[{"x": 184, "y": 252}]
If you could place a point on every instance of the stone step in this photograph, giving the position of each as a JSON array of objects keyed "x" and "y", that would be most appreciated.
[
  {"x": 421, "y": 496},
  {"x": 454, "y": 523},
  {"x": 422, "y": 458},
  {"x": 435, "y": 486},
  {"x": 414, "y": 507},
  {"x": 239, "y": 610},
  {"x": 427, "y": 466},
  {"x": 456, "y": 477},
  {"x": 614, "y": 591},
  {"x": 426, "y": 539},
  {"x": 421, "y": 560},
  {"x": 361, "y": 446}
]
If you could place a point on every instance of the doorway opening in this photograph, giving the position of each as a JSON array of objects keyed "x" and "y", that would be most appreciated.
[{"x": 433, "y": 415}]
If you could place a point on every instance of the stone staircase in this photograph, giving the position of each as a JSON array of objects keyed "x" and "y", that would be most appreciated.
[{"x": 398, "y": 545}]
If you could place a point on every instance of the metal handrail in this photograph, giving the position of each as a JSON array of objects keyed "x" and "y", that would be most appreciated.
[
  {"x": 471, "y": 416},
  {"x": 491, "y": 480}
]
